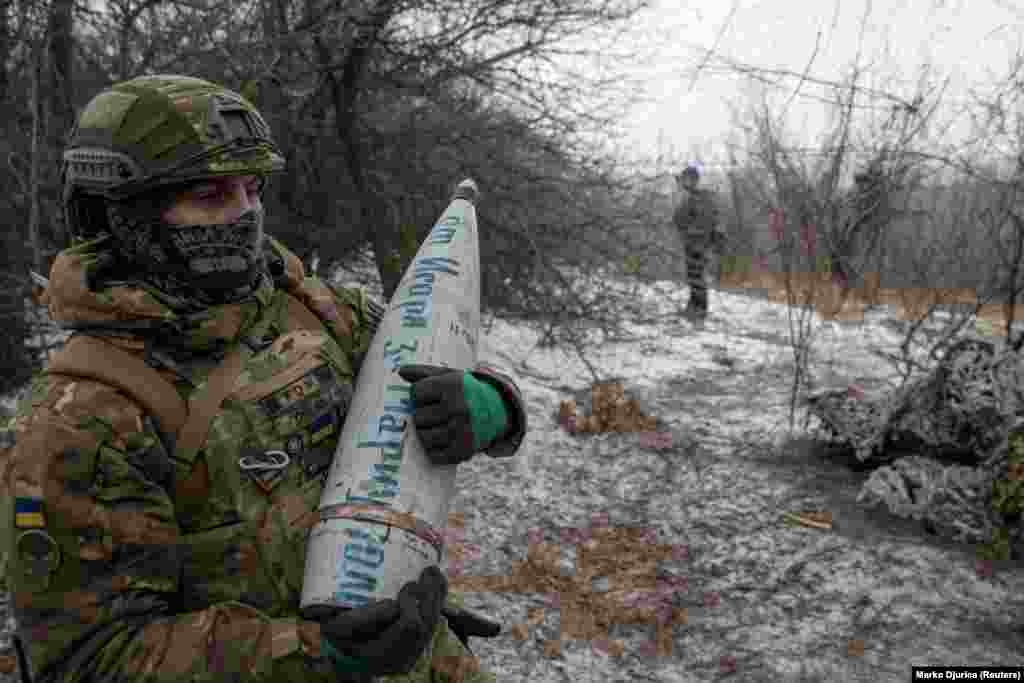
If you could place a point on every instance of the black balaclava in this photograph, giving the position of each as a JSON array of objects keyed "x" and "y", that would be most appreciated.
[{"x": 202, "y": 264}]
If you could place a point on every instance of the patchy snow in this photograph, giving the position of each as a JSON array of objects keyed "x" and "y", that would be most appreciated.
[
  {"x": 7, "y": 405},
  {"x": 744, "y": 344},
  {"x": 765, "y": 602}
]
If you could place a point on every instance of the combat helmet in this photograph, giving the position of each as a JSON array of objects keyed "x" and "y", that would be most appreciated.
[{"x": 159, "y": 131}]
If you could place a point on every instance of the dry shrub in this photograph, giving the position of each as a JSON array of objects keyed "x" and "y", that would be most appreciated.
[
  {"x": 830, "y": 299},
  {"x": 625, "y": 560},
  {"x": 611, "y": 411}
]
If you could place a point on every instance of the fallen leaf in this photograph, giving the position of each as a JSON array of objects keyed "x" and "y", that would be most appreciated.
[
  {"x": 657, "y": 441},
  {"x": 815, "y": 520},
  {"x": 648, "y": 649},
  {"x": 535, "y": 616},
  {"x": 615, "y": 648},
  {"x": 985, "y": 568}
]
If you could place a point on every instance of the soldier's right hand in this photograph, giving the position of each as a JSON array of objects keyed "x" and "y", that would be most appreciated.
[{"x": 389, "y": 636}]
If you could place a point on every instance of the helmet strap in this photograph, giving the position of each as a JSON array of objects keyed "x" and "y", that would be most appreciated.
[{"x": 86, "y": 216}]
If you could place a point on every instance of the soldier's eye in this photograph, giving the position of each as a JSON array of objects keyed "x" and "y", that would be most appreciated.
[{"x": 208, "y": 192}]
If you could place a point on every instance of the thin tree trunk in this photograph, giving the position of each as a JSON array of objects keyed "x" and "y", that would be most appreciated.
[
  {"x": 58, "y": 108},
  {"x": 5, "y": 46},
  {"x": 35, "y": 165},
  {"x": 59, "y": 76},
  {"x": 274, "y": 104},
  {"x": 35, "y": 106},
  {"x": 1014, "y": 278},
  {"x": 344, "y": 92}
]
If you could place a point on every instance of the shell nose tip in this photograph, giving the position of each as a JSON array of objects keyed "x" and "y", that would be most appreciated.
[{"x": 467, "y": 189}]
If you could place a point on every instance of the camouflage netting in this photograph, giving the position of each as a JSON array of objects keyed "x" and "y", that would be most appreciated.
[{"x": 946, "y": 446}]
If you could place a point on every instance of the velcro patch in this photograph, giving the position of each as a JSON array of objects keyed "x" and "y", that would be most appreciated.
[
  {"x": 323, "y": 427},
  {"x": 38, "y": 558},
  {"x": 323, "y": 421}
]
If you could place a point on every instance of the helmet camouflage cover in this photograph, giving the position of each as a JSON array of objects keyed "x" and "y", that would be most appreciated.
[
  {"x": 153, "y": 131},
  {"x": 139, "y": 141}
]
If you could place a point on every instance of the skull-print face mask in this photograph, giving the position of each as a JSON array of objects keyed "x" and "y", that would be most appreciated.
[{"x": 213, "y": 263}]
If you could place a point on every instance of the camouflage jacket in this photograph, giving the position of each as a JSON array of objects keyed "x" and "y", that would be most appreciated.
[
  {"x": 696, "y": 217},
  {"x": 126, "y": 565}
]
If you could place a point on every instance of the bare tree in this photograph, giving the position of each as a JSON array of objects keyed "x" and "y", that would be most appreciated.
[
  {"x": 831, "y": 205},
  {"x": 369, "y": 56}
]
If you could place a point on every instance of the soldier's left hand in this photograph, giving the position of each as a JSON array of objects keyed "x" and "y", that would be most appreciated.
[
  {"x": 389, "y": 636},
  {"x": 456, "y": 414}
]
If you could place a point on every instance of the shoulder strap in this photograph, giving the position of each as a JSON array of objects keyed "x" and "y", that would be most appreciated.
[
  {"x": 299, "y": 313},
  {"x": 204, "y": 404},
  {"x": 92, "y": 358}
]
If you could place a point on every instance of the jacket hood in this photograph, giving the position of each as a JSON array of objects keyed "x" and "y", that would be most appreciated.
[{"x": 132, "y": 309}]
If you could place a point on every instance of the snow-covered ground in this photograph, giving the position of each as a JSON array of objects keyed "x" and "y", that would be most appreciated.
[
  {"x": 751, "y": 598},
  {"x": 764, "y": 601}
]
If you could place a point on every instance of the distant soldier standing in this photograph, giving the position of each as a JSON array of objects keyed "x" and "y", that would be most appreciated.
[{"x": 696, "y": 217}]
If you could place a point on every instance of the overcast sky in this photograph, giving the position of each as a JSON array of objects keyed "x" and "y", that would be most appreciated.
[{"x": 970, "y": 42}]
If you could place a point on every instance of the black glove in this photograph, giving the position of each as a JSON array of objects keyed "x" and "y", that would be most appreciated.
[
  {"x": 456, "y": 415},
  {"x": 466, "y": 624},
  {"x": 389, "y": 636}
]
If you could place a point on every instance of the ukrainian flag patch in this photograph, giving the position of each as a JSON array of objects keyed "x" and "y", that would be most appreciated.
[{"x": 28, "y": 513}]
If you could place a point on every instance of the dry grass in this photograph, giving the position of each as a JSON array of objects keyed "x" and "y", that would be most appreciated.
[
  {"x": 611, "y": 411},
  {"x": 630, "y": 592},
  {"x": 833, "y": 302},
  {"x": 816, "y": 289}
]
